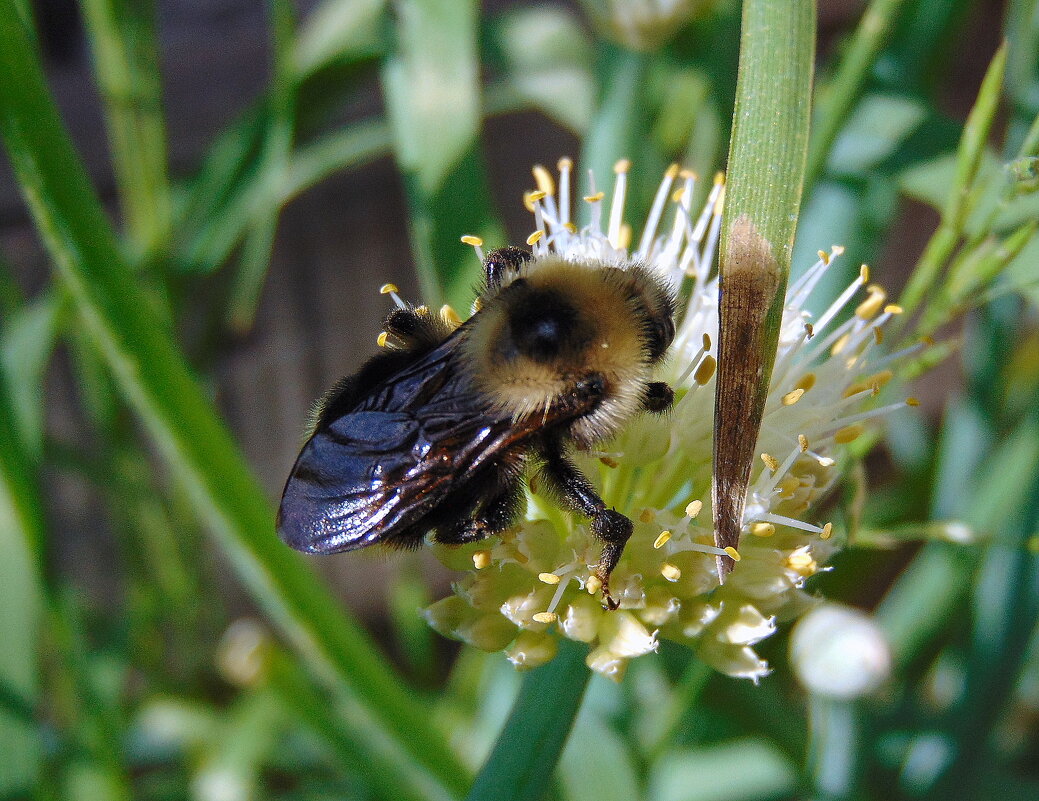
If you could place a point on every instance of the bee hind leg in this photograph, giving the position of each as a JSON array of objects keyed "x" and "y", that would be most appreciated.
[{"x": 577, "y": 493}]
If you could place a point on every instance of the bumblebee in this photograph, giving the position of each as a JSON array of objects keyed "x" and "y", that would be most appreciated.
[{"x": 436, "y": 432}]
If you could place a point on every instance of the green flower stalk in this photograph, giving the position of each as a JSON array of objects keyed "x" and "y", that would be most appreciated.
[{"x": 535, "y": 583}]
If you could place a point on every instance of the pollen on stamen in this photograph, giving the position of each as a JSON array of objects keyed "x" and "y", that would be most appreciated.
[
  {"x": 733, "y": 554},
  {"x": 592, "y": 585},
  {"x": 770, "y": 461},
  {"x": 802, "y": 443},
  {"x": 848, "y": 434},
  {"x": 706, "y": 341},
  {"x": 544, "y": 617},
  {"x": 827, "y": 532},
  {"x": 792, "y": 397},
  {"x": 912, "y": 401},
  {"x": 543, "y": 178},
  {"x": 535, "y": 237},
  {"x": 598, "y": 196},
  {"x": 762, "y": 529},
  {"x": 388, "y": 289},
  {"x": 382, "y": 338},
  {"x": 570, "y": 227},
  {"x": 537, "y": 195},
  {"x": 824, "y": 257},
  {"x": 476, "y": 243},
  {"x": 693, "y": 509},
  {"x": 864, "y": 274},
  {"x": 868, "y": 309},
  {"x": 805, "y": 382},
  {"x": 481, "y": 559},
  {"x": 609, "y": 462},
  {"x": 661, "y": 539},
  {"x": 548, "y": 578},
  {"x": 670, "y": 572},
  {"x": 705, "y": 370},
  {"x": 647, "y": 516}
]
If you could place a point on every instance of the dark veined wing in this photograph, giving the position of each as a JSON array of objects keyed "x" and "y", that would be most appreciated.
[{"x": 373, "y": 472}]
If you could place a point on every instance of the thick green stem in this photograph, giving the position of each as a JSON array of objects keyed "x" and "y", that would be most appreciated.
[{"x": 765, "y": 174}]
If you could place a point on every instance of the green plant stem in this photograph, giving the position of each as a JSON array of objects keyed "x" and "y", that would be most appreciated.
[
  {"x": 157, "y": 383},
  {"x": 126, "y": 63},
  {"x": 765, "y": 177},
  {"x": 833, "y": 748},
  {"x": 837, "y": 97},
  {"x": 528, "y": 748},
  {"x": 21, "y": 603}
]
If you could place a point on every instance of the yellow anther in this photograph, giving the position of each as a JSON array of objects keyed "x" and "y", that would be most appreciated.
[
  {"x": 864, "y": 273},
  {"x": 837, "y": 250},
  {"x": 827, "y": 531},
  {"x": 570, "y": 227},
  {"x": 893, "y": 308},
  {"x": 705, "y": 370},
  {"x": 840, "y": 344},
  {"x": 381, "y": 340},
  {"x": 802, "y": 443},
  {"x": 609, "y": 462},
  {"x": 826, "y": 461},
  {"x": 670, "y": 572},
  {"x": 733, "y": 553},
  {"x": 771, "y": 461},
  {"x": 706, "y": 341},
  {"x": 878, "y": 335},
  {"x": 676, "y": 196},
  {"x": 693, "y": 509},
  {"x": 788, "y": 485},
  {"x": 792, "y": 397},
  {"x": 475, "y": 241},
  {"x": 848, "y": 434},
  {"x": 647, "y": 516},
  {"x": 688, "y": 174},
  {"x": 537, "y": 195},
  {"x": 824, "y": 257},
  {"x": 450, "y": 316},
  {"x": 565, "y": 163},
  {"x": 548, "y": 578},
  {"x": 544, "y": 617},
  {"x": 912, "y": 401},
  {"x": 806, "y": 382},
  {"x": 868, "y": 309},
  {"x": 1033, "y": 544},
  {"x": 521, "y": 557},
  {"x": 661, "y": 539},
  {"x": 763, "y": 529},
  {"x": 592, "y": 585},
  {"x": 622, "y": 165},
  {"x": 595, "y": 198},
  {"x": 528, "y": 201},
  {"x": 543, "y": 178},
  {"x": 624, "y": 237},
  {"x": 672, "y": 171},
  {"x": 535, "y": 237},
  {"x": 800, "y": 561},
  {"x": 719, "y": 178},
  {"x": 481, "y": 559},
  {"x": 386, "y": 289}
]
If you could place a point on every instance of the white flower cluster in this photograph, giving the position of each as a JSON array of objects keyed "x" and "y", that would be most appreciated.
[{"x": 535, "y": 583}]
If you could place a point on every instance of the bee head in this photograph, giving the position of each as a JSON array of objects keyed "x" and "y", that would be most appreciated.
[{"x": 557, "y": 322}]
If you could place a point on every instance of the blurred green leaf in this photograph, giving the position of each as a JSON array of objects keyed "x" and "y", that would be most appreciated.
[
  {"x": 521, "y": 765},
  {"x": 26, "y": 343},
  {"x": 878, "y": 125},
  {"x": 547, "y": 63},
  {"x": 740, "y": 770},
  {"x": 596, "y": 764},
  {"x": 156, "y": 381},
  {"x": 432, "y": 89},
  {"x": 339, "y": 30}
]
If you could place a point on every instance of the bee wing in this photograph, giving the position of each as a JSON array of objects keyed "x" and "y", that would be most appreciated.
[{"x": 374, "y": 472}]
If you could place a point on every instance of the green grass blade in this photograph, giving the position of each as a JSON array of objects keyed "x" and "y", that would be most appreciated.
[
  {"x": 765, "y": 176},
  {"x": 126, "y": 65},
  {"x": 159, "y": 386},
  {"x": 21, "y": 602},
  {"x": 520, "y": 766},
  {"x": 432, "y": 89}
]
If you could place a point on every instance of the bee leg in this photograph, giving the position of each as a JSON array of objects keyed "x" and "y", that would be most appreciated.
[
  {"x": 417, "y": 329},
  {"x": 659, "y": 397},
  {"x": 576, "y": 492},
  {"x": 502, "y": 263},
  {"x": 497, "y": 514}
]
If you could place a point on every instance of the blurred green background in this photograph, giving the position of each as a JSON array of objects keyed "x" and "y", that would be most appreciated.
[{"x": 262, "y": 169}]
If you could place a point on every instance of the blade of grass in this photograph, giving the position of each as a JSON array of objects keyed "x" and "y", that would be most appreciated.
[
  {"x": 765, "y": 177},
  {"x": 126, "y": 65},
  {"x": 520, "y": 766},
  {"x": 21, "y": 604},
  {"x": 198, "y": 449},
  {"x": 432, "y": 89}
]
